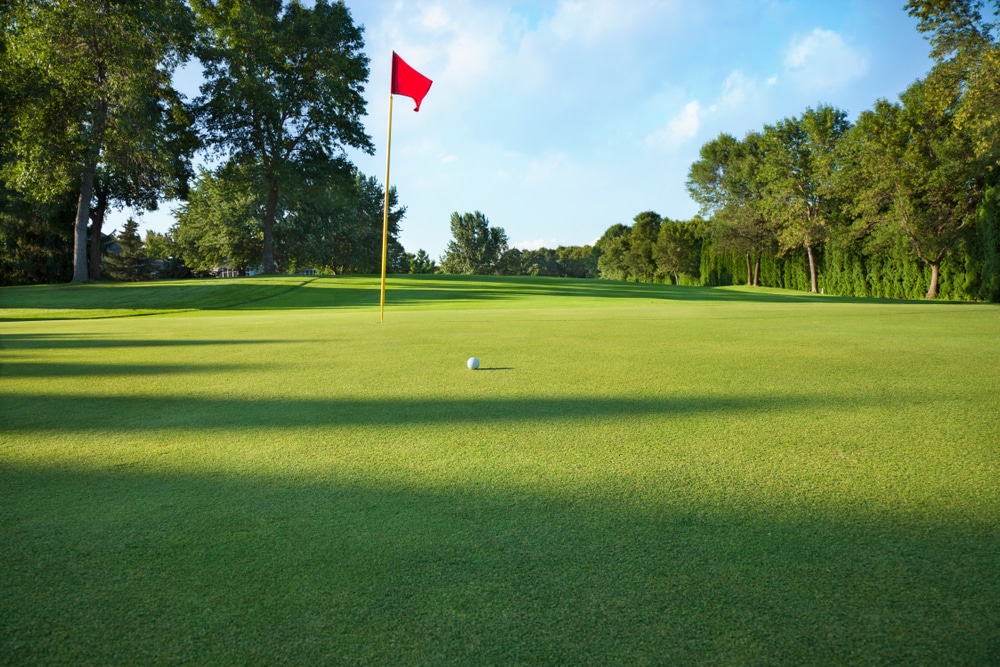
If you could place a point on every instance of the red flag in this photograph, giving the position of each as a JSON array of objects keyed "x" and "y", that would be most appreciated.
[{"x": 408, "y": 81}]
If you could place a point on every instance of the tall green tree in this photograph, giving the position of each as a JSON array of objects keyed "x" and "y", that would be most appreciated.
[
  {"x": 677, "y": 250},
  {"x": 219, "y": 225},
  {"x": 729, "y": 184},
  {"x": 284, "y": 86},
  {"x": 639, "y": 259},
  {"x": 131, "y": 263},
  {"x": 421, "y": 262},
  {"x": 965, "y": 43},
  {"x": 578, "y": 261},
  {"x": 911, "y": 171},
  {"x": 799, "y": 170},
  {"x": 91, "y": 77},
  {"x": 475, "y": 247},
  {"x": 612, "y": 248},
  {"x": 337, "y": 223}
]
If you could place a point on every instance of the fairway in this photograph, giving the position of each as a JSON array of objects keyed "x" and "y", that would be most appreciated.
[{"x": 256, "y": 471}]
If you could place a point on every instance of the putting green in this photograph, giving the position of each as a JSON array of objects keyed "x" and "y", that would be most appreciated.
[{"x": 257, "y": 470}]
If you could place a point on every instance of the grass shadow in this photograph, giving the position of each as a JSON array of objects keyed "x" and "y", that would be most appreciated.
[
  {"x": 124, "y": 567},
  {"x": 47, "y": 412},
  {"x": 284, "y": 292},
  {"x": 53, "y": 341}
]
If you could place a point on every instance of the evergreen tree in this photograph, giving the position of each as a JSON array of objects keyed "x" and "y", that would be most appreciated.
[
  {"x": 475, "y": 248},
  {"x": 131, "y": 263}
]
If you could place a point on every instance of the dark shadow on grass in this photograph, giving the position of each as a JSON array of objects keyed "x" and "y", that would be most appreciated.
[
  {"x": 48, "y": 341},
  {"x": 47, "y": 412},
  {"x": 495, "y": 368},
  {"x": 362, "y": 291},
  {"x": 21, "y": 369},
  {"x": 132, "y": 567}
]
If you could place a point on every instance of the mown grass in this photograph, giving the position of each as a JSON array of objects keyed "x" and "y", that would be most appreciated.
[{"x": 640, "y": 474}]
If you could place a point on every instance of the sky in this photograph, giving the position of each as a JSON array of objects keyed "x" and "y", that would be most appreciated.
[{"x": 559, "y": 118}]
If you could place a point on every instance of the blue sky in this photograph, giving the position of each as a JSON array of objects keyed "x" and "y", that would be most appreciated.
[{"x": 559, "y": 118}]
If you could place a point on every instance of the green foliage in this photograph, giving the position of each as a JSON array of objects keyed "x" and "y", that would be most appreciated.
[
  {"x": 420, "y": 263},
  {"x": 131, "y": 263},
  {"x": 615, "y": 246},
  {"x": 988, "y": 244},
  {"x": 284, "y": 90},
  {"x": 677, "y": 250},
  {"x": 475, "y": 248},
  {"x": 165, "y": 256},
  {"x": 729, "y": 183},
  {"x": 799, "y": 168},
  {"x": 93, "y": 95},
  {"x": 335, "y": 222},
  {"x": 36, "y": 241},
  {"x": 639, "y": 259},
  {"x": 654, "y": 248},
  {"x": 964, "y": 41},
  {"x": 912, "y": 172},
  {"x": 577, "y": 261},
  {"x": 220, "y": 224}
]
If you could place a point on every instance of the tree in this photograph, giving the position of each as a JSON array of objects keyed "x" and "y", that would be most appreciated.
[
  {"x": 910, "y": 171},
  {"x": 966, "y": 46},
  {"x": 421, "y": 262},
  {"x": 729, "y": 184},
  {"x": 36, "y": 241},
  {"x": 219, "y": 225},
  {"x": 578, "y": 261},
  {"x": 284, "y": 87},
  {"x": 639, "y": 260},
  {"x": 165, "y": 256},
  {"x": 613, "y": 245},
  {"x": 90, "y": 77},
  {"x": 799, "y": 170},
  {"x": 677, "y": 250},
  {"x": 475, "y": 248},
  {"x": 141, "y": 185},
  {"x": 131, "y": 263}
]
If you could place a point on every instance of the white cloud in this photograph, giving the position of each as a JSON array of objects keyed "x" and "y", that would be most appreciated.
[
  {"x": 822, "y": 60},
  {"x": 589, "y": 20},
  {"x": 680, "y": 128},
  {"x": 735, "y": 89},
  {"x": 536, "y": 244}
]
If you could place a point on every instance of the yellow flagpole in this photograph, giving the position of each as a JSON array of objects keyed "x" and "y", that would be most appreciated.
[{"x": 385, "y": 216}]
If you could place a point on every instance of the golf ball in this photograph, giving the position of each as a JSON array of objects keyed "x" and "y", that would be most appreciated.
[{"x": 472, "y": 363}]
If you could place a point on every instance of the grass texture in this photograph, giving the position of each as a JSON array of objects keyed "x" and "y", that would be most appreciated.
[{"x": 256, "y": 471}]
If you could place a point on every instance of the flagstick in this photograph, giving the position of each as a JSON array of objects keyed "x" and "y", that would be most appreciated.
[{"x": 385, "y": 216}]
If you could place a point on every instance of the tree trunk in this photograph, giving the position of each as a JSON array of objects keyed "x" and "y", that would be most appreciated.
[
  {"x": 932, "y": 291},
  {"x": 80, "y": 272},
  {"x": 813, "y": 287},
  {"x": 756, "y": 272},
  {"x": 749, "y": 271},
  {"x": 269, "y": 212},
  {"x": 97, "y": 223}
]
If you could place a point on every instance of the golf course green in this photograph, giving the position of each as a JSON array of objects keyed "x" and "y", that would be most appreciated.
[{"x": 257, "y": 471}]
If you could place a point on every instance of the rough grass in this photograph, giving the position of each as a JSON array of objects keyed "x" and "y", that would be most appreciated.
[{"x": 263, "y": 473}]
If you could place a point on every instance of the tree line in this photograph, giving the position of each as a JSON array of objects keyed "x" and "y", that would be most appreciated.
[
  {"x": 902, "y": 203},
  {"x": 90, "y": 122}
]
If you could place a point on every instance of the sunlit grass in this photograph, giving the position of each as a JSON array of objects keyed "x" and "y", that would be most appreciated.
[{"x": 265, "y": 473}]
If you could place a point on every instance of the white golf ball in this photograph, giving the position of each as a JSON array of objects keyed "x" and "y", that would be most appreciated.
[{"x": 472, "y": 363}]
